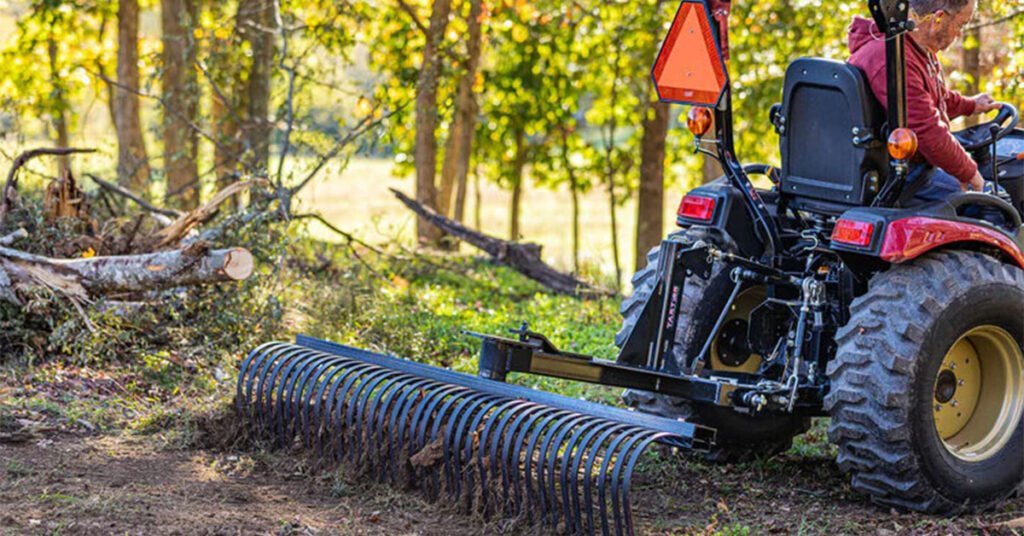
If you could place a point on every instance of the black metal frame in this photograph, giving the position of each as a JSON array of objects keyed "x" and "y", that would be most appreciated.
[{"x": 651, "y": 343}]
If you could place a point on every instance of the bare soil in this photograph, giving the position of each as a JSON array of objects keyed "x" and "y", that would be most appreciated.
[
  {"x": 122, "y": 484},
  {"x": 79, "y": 483}
]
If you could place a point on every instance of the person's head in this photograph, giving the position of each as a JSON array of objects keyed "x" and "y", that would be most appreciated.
[{"x": 939, "y": 22}]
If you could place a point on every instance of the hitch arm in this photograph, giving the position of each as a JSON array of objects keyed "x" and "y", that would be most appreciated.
[{"x": 536, "y": 355}]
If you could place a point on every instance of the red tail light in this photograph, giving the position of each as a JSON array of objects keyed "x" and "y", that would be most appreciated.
[
  {"x": 853, "y": 232},
  {"x": 694, "y": 207}
]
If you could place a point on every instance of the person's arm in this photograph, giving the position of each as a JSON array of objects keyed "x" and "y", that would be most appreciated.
[
  {"x": 958, "y": 105},
  {"x": 935, "y": 143}
]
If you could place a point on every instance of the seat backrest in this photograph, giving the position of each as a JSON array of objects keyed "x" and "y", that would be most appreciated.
[{"x": 830, "y": 126}]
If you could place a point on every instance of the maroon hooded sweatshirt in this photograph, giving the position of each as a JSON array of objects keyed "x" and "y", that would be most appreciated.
[{"x": 930, "y": 104}]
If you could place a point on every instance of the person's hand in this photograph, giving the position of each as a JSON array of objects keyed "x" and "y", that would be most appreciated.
[
  {"x": 984, "y": 103},
  {"x": 976, "y": 184},
  {"x": 997, "y": 190}
]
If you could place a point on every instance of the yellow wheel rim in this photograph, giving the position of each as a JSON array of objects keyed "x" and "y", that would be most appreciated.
[
  {"x": 741, "y": 308},
  {"x": 977, "y": 400}
]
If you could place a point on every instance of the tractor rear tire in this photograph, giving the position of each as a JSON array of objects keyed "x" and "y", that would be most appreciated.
[
  {"x": 739, "y": 437},
  {"x": 915, "y": 430}
]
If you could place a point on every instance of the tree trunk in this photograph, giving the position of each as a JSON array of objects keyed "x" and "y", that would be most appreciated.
[
  {"x": 478, "y": 198},
  {"x": 460, "y": 139},
  {"x": 710, "y": 169},
  {"x": 426, "y": 119},
  {"x": 461, "y": 189},
  {"x": 132, "y": 163},
  {"x": 651, "y": 194},
  {"x": 84, "y": 279},
  {"x": 225, "y": 129},
  {"x": 518, "y": 166},
  {"x": 59, "y": 104},
  {"x": 181, "y": 103},
  {"x": 972, "y": 68},
  {"x": 224, "y": 76},
  {"x": 575, "y": 193},
  {"x": 610, "y": 183},
  {"x": 258, "y": 26}
]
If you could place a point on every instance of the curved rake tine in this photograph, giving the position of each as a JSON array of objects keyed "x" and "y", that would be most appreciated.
[
  {"x": 242, "y": 401},
  {"x": 563, "y": 423},
  {"x": 485, "y": 414},
  {"x": 358, "y": 408},
  {"x": 552, "y": 444},
  {"x": 519, "y": 439},
  {"x": 302, "y": 392},
  {"x": 314, "y": 400},
  {"x": 571, "y": 471},
  {"x": 338, "y": 383},
  {"x": 494, "y": 431},
  {"x": 623, "y": 490},
  {"x": 400, "y": 400},
  {"x": 611, "y": 453},
  {"x": 475, "y": 405},
  {"x": 286, "y": 399}
]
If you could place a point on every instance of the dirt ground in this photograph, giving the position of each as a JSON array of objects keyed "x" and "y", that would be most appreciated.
[
  {"x": 121, "y": 484},
  {"x": 66, "y": 483}
]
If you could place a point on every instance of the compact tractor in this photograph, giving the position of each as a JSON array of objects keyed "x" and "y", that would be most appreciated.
[{"x": 822, "y": 295}]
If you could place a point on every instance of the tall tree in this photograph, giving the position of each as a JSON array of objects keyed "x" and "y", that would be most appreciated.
[
  {"x": 458, "y": 148},
  {"x": 59, "y": 95},
  {"x": 132, "y": 163},
  {"x": 650, "y": 207},
  {"x": 516, "y": 178},
  {"x": 257, "y": 25},
  {"x": 426, "y": 118},
  {"x": 181, "y": 102}
]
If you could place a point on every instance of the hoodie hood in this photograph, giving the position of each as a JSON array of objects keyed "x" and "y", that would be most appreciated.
[{"x": 862, "y": 32}]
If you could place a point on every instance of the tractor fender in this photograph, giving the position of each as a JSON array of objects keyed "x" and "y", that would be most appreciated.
[{"x": 909, "y": 238}]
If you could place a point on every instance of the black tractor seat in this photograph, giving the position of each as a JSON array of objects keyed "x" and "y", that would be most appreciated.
[{"x": 831, "y": 134}]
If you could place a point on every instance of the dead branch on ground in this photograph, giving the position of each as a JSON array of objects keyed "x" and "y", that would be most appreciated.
[
  {"x": 162, "y": 215},
  {"x": 522, "y": 257}
]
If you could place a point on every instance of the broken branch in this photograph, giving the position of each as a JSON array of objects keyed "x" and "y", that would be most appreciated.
[
  {"x": 522, "y": 257},
  {"x": 177, "y": 230},
  {"x": 10, "y": 192},
  {"x": 162, "y": 215}
]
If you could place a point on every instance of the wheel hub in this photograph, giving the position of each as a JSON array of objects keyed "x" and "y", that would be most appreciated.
[
  {"x": 733, "y": 348},
  {"x": 730, "y": 350},
  {"x": 977, "y": 393}
]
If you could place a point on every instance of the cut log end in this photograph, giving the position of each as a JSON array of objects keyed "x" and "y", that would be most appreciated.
[{"x": 238, "y": 264}]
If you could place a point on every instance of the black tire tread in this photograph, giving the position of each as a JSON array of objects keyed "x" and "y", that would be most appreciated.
[{"x": 872, "y": 374}]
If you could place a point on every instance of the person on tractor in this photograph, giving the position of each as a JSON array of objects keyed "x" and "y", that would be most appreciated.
[{"x": 942, "y": 167}]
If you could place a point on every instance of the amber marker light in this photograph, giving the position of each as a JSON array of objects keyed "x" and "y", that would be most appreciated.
[
  {"x": 698, "y": 120},
  {"x": 902, "y": 143}
]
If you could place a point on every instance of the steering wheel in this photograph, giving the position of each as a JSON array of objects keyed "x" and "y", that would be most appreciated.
[{"x": 981, "y": 136}]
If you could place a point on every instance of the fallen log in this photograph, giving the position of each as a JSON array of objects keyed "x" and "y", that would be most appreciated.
[
  {"x": 85, "y": 279},
  {"x": 521, "y": 257}
]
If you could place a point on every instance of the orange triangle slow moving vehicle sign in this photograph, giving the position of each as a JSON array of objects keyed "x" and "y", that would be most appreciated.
[{"x": 689, "y": 67}]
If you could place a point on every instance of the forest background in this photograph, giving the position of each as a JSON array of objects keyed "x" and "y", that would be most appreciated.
[{"x": 528, "y": 120}]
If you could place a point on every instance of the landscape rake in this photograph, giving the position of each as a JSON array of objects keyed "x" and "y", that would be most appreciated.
[{"x": 499, "y": 449}]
